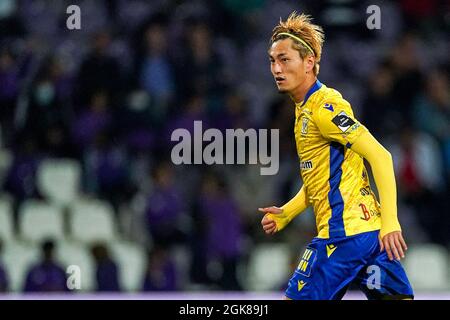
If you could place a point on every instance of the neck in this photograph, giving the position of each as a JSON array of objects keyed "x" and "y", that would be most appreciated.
[{"x": 299, "y": 93}]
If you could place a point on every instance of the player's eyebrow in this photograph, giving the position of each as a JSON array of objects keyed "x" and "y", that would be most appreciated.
[{"x": 280, "y": 55}]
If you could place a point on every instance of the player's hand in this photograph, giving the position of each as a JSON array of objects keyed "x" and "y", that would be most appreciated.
[
  {"x": 268, "y": 223},
  {"x": 394, "y": 244}
]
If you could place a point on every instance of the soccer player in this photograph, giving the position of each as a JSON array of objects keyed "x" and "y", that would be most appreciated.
[{"x": 359, "y": 240}]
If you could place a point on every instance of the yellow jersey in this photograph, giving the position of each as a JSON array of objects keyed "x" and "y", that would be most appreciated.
[{"x": 334, "y": 177}]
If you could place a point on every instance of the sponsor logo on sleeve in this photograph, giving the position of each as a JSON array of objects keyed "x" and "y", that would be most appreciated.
[
  {"x": 329, "y": 106},
  {"x": 343, "y": 121}
]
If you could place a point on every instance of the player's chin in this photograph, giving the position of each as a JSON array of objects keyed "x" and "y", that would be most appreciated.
[{"x": 282, "y": 90}]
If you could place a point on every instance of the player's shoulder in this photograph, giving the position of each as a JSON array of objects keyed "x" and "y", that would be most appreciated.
[
  {"x": 329, "y": 95},
  {"x": 330, "y": 101}
]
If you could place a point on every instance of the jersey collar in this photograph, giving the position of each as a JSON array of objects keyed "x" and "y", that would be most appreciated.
[{"x": 317, "y": 85}]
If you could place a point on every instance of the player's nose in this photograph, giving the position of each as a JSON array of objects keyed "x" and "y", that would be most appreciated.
[{"x": 276, "y": 69}]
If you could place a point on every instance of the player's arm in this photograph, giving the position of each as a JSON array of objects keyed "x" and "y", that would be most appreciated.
[
  {"x": 275, "y": 218},
  {"x": 336, "y": 122},
  {"x": 380, "y": 161}
]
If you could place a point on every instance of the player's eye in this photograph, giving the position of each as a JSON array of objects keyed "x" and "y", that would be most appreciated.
[{"x": 284, "y": 59}]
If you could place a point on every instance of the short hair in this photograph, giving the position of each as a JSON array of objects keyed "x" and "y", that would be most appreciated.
[{"x": 301, "y": 26}]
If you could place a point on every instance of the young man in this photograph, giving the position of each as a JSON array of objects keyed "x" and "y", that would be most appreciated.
[{"x": 358, "y": 239}]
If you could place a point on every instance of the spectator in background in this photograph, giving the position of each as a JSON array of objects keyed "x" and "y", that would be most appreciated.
[
  {"x": 222, "y": 238},
  {"x": 164, "y": 207},
  {"x": 380, "y": 114},
  {"x": 432, "y": 111},
  {"x": 106, "y": 272},
  {"x": 4, "y": 280},
  {"x": 103, "y": 155},
  {"x": 422, "y": 13},
  {"x": 419, "y": 172},
  {"x": 48, "y": 107},
  {"x": 58, "y": 142},
  {"x": 47, "y": 275},
  {"x": 201, "y": 68},
  {"x": 95, "y": 118},
  {"x": 11, "y": 24},
  {"x": 156, "y": 71},
  {"x": 106, "y": 169},
  {"x": 136, "y": 125},
  {"x": 233, "y": 115},
  {"x": 99, "y": 72},
  {"x": 20, "y": 180},
  {"x": 9, "y": 90},
  {"x": 419, "y": 162},
  {"x": 161, "y": 272},
  {"x": 239, "y": 18},
  {"x": 408, "y": 78},
  {"x": 194, "y": 110}
]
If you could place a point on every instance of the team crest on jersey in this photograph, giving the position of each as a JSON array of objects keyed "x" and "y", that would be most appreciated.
[
  {"x": 305, "y": 125},
  {"x": 343, "y": 121}
]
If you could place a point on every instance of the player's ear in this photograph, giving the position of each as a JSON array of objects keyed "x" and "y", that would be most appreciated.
[{"x": 309, "y": 62}]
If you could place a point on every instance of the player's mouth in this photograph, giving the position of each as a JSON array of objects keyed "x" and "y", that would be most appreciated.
[{"x": 280, "y": 80}]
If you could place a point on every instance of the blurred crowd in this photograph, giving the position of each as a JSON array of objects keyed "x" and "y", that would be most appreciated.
[{"x": 110, "y": 95}]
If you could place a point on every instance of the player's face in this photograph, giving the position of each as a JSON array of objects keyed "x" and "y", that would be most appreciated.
[{"x": 286, "y": 65}]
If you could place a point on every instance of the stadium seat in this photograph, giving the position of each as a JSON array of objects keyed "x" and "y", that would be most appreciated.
[
  {"x": 268, "y": 267},
  {"x": 6, "y": 219},
  {"x": 59, "y": 180},
  {"x": 18, "y": 258},
  {"x": 39, "y": 220},
  {"x": 427, "y": 267},
  {"x": 132, "y": 262},
  {"x": 75, "y": 254},
  {"x": 92, "y": 221}
]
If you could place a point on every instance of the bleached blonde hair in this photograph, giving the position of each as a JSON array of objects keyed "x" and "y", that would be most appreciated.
[{"x": 311, "y": 36}]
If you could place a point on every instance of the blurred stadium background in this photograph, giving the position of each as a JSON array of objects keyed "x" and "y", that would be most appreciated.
[{"x": 86, "y": 116}]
